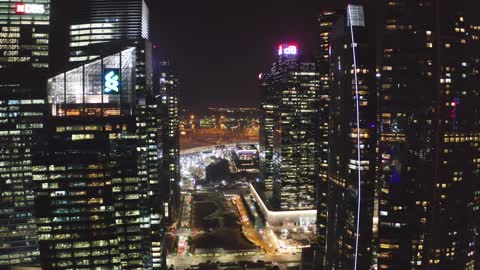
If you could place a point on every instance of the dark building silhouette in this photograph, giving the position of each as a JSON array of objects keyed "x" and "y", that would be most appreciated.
[
  {"x": 326, "y": 21},
  {"x": 342, "y": 144},
  {"x": 168, "y": 99},
  {"x": 418, "y": 74},
  {"x": 427, "y": 161}
]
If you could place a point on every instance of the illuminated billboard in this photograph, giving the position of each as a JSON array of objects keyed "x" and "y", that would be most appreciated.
[
  {"x": 22, "y": 8},
  {"x": 111, "y": 81},
  {"x": 287, "y": 49}
]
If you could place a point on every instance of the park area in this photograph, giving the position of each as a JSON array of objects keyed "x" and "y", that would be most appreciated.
[{"x": 216, "y": 225}]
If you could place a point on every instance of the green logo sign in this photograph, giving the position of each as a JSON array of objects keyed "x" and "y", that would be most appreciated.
[{"x": 111, "y": 81}]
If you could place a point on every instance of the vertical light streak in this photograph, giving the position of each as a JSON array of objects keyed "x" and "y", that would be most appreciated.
[{"x": 359, "y": 193}]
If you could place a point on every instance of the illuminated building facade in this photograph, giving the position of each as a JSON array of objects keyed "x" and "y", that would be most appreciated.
[
  {"x": 406, "y": 138},
  {"x": 97, "y": 204},
  {"x": 343, "y": 150},
  {"x": 230, "y": 118},
  {"x": 418, "y": 71},
  {"x": 100, "y": 25},
  {"x": 208, "y": 122},
  {"x": 290, "y": 124},
  {"x": 268, "y": 108},
  {"x": 24, "y": 36},
  {"x": 428, "y": 141},
  {"x": 169, "y": 114},
  {"x": 22, "y": 118}
]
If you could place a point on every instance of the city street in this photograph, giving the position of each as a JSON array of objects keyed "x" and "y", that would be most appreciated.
[
  {"x": 283, "y": 260},
  {"x": 183, "y": 231},
  {"x": 263, "y": 238}
]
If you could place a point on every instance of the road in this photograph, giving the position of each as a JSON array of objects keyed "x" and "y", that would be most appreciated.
[
  {"x": 283, "y": 260},
  {"x": 183, "y": 231},
  {"x": 263, "y": 238}
]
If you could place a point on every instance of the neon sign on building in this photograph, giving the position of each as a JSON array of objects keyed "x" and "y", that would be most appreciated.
[
  {"x": 111, "y": 81},
  {"x": 286, "y": 49},
  {"x": 22, "y": 8}
]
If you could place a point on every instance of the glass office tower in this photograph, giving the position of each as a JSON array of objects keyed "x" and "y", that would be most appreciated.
[
  {"x": 24, "y": 33},
  {"x": 98, "y": 26},
  {"x": 327, "y": 20},
  {"x": 419, "y": 60},
  {"x": 22, "y": 118},
  {"x": 428, "y": 193},
  {"x": 268, "y": 108},
  {"x": 343, "y": 166},
  {"x": 24, "y": 38},
  {"x": 290, "y": 127},
  {"x": 97, "y": 204},
  {"x": 168, "y": 99}
]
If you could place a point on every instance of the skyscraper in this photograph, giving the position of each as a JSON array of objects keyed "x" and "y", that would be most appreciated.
[
  {"x": 417, "y": 68},
  {"x": 98, "y": 26},
  {"x": 170, "y": 124},
  {"x": 22, "y": 116},
  {"x": 407, "y": 137},
  {"x": 343, "y": 164},
  {"x": 268, "y": 107},
  {"x": 24, "y": 39},
  {"x": 25, "y": 32},
  {"x": 97, "y": 206},
  {"x": 100, "y": 199},
  {"x": 290, "y": 127},
  {"x": 428, "y": 143},
  {"x": 327, "y": 21}
]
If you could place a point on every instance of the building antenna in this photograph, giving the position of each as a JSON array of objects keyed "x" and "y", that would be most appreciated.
[{"x": 359, "y": 193}]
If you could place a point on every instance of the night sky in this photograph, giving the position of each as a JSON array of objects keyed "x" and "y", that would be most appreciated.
[{"x": 220, "y": 47}]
